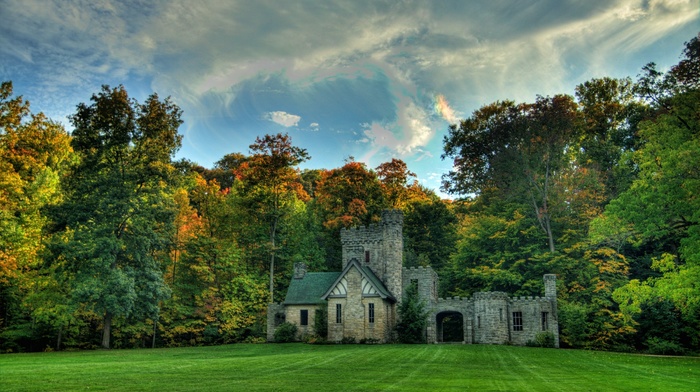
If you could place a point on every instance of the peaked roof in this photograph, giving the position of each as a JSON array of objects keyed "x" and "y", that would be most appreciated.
[
  {"x": 368, "y": 274},
  {"x": 310, "y": 288}
]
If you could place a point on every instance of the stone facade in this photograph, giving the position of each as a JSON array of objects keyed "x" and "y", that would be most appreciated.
[{"x": 362, "y": 299}]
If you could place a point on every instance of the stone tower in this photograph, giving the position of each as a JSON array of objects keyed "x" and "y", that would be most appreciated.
[
  {"x": 550, "y": 286},
  {"x": 379, "y": 247}
]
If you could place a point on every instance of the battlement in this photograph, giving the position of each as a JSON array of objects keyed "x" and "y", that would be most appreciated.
[
  {"x": 448, "y": 300},
  {"x": 491, "y": 296},
  {"x": 362, "y": 234},
  {"x": 521, "y": 300}
]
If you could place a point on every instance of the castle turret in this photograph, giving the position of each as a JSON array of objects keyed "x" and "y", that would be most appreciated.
[
  {"x": 379, "y": 247},
  {"x": 392, "y": 238},
  {"x": 550, "y": 286}
]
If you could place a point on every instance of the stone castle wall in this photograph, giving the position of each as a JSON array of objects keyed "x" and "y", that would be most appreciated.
[
  {"x": 427, "y": 280},
  {"x": 379, "y": 246},
  {"x": 488, "y": 318}
]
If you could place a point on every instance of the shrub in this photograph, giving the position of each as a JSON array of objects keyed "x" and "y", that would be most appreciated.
[
  {"x": 285, "y": 333},
  {"x": 542, "y": 339},
  {"x": 659, "y": 346},
  {"x": 369, "y": 341},
  {"x": 347, "y": 340},
  {"x": 321, "y": 321}
]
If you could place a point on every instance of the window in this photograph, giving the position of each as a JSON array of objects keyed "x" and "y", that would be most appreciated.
[
  {"x": 338, "y": 313},
  {"x": 304, "y": 317},
  {"x": 478, "y": 321},
  {"x": 367, "y": 258},
  {"x": 371, "y": 312},
  {"x": 545, "y": 321},
  {"x": 517, "y": 321},
  {"x": 500, "y": 315}
]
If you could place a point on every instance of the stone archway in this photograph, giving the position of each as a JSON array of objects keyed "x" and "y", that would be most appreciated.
[{"x": 449, "y": 327}]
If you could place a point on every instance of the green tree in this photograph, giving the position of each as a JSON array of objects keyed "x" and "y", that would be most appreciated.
[
  {"x": 271, "y": 184},
  {"x": 413, "y": 317},
  {"x": 520, "y": 151},
  {"x": 430, "y": 230},
  {"x": 118, "y": 216}
]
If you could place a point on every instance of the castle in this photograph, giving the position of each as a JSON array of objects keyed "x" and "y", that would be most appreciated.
[{"x": 362, "y": 299}]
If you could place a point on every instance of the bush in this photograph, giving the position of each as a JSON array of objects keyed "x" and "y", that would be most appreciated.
[
  {"x": 542, "y": 339},
  {"x": 321, "y": 321},
  {"x": 369, "y": 341},
  {"x": 347, "y": 340},
  {"x": 664, "y": 347},
  {"x": 285, "y": 333}
]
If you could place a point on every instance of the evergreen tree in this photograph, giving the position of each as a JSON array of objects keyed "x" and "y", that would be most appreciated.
[{"x": 413, "y": 317}]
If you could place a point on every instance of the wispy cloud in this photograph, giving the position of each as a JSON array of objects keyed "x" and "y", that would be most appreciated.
[
  {"x": 403, "y": 69},
  {"x": 283, "y": 118}
]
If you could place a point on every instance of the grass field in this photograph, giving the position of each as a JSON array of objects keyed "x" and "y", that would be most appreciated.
[{"x": 300, "y": 367}]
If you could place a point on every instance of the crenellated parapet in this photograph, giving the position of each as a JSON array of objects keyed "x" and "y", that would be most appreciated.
[
  {"x": 491, "y": 296},
  {"x": 361, "y": 235},
  {"x": 527, "y": 299}
]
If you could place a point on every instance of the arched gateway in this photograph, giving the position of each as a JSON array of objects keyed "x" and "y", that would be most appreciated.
[{"x": 361, "y": 300}]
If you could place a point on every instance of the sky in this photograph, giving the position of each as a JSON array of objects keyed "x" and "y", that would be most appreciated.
[{"x": 372, "y": 80}]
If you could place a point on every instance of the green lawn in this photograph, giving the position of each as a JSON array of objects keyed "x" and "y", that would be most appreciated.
[{"x": 301, "y": 367}]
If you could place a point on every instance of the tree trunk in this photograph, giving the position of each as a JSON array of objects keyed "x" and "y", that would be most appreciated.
[
  {"x": 58, "y": 339},
  {"x": 273, "y": 231},
  {"x": 106, "y": 330},
  {"x": 155, "y": 329}
]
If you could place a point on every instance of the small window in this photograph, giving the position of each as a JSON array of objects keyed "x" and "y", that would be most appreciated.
[
  {"x": 500, "y": 315},
  {"x": 370, "y": 311},
  {"x": 478, "y": 321},
  {"x": 304, "y": 316},
  {"x": 545, "y": 321},
  {"x": 338, "y": 313},
  {"x": 367, "y": 256},
  {"x": 517, "y": 321}
]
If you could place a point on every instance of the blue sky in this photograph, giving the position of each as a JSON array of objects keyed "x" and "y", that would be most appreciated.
[{"x": 369, "y": 79}]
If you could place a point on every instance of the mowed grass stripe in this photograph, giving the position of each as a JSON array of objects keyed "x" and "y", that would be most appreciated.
[{"x": 299, "y": 367}]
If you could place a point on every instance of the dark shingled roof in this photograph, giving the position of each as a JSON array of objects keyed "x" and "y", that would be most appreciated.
[{"x": 310, "y": 288}]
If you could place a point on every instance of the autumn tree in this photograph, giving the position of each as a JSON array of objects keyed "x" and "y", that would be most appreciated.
[
  {"x": 271, "y": 183},
  {"x": 35, "y": 153},
  {"x": 118, "y": 213},
  {"x": 518, "y": 150},
  {"x": 395, "y": 177}
]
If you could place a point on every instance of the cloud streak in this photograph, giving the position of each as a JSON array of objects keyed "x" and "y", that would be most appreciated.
[{"x": 391, "y": 74}]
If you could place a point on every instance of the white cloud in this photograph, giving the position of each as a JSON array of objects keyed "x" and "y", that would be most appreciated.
[{"x": 283, "y": 118}]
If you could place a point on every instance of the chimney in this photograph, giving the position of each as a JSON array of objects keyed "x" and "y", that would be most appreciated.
[{"x": 299, "y": 270}]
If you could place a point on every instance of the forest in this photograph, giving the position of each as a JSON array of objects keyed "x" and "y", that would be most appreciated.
[{"x": 107, "y": 241}]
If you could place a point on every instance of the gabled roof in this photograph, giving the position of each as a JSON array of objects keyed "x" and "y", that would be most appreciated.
[
  {"x": 309, "y": 289},
  {"x": 366, "y": 273}
]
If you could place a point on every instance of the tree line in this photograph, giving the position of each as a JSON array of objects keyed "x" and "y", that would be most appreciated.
[{"x": 107, "y": 241}]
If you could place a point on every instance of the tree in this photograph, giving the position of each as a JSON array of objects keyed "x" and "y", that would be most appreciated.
[
  {"x": 413, "y": 317},
  {"x": 271, "y": 183},
  {"x": 35, "y": 153},
  {"x": 117, "y": 218},
  {"x": 430, "y": 229},
  {"x": 519, "y": 151},
  {"x": 349, "y": 196},
  {"x": 394, "y": 177}
]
